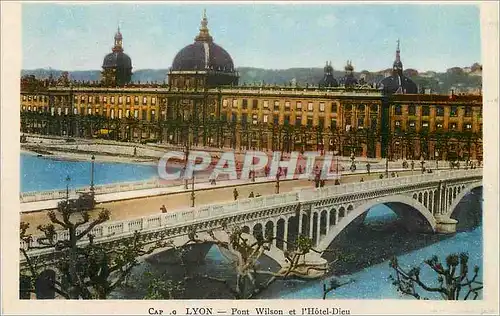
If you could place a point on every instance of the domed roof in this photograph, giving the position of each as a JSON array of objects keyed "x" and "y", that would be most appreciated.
[
  {"x": 117, "y": 60},
  {"x": 398, "y": 83},
  {"x": 203, "y": 54},
  {"x": 328, "y": 79}
]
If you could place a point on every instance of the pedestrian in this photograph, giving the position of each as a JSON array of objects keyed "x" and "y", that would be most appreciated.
[
  {"x": 235, "y": 194},
  {"x": 362, "y": 180},
  {"x": 163, "y": 208},
  {"x": 251, "y": 195}
]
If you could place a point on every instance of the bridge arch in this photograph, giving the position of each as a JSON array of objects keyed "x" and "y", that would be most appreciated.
[
  {"x": 465, "y": 190},
  {"x": 269, "y": 229},
  {"x": 417, "y": 207},
  {"x": 257, "y": 231}
]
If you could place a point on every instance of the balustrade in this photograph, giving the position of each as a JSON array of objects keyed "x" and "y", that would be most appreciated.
[{"x": 203, "y": 213}]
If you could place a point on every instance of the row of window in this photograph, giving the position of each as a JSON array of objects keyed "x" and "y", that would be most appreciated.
[
  {"x": 254, "y": 104},
  {"x": 41, "y": 98},
  {"x": 245, "y": 119},
  {"x": 113, "y": 99},
  {"x": 97, "y": 99},
  {"x": 96, "y": 111},
  {"x": 412, "y": 110},
  {"x": 425, "y": 125}
]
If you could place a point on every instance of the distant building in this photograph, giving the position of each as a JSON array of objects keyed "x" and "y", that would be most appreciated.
[{"x": 202, "y": 105}]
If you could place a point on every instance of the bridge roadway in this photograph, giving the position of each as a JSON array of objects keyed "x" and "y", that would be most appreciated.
[
  {"x": 423, "y": 202},
  {"x": 137, "y": 203}
]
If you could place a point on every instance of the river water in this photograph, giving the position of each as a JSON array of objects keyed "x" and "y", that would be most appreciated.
[
  {"x": 41, "y": 173},
  {"x": 371, "y": 244}
]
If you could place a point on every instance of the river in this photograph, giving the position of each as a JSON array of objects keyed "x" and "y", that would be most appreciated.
[
  {"x": 369, "y": 270},
  {"x": 41, "y": 173}
]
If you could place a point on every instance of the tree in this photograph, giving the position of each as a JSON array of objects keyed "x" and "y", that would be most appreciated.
[
  {"x": 245, "y": 252},
  {"x": 87, "y": 270},
  {"x": 453, "y": 281}
]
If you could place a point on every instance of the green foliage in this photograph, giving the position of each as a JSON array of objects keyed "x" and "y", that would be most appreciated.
[
  {"x": 87, "y": 270},
  {"x": 160, "y": 288}
]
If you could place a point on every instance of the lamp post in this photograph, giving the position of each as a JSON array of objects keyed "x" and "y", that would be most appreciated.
[
  {"x": 68, "y": 179},
  {"x": 192, "y": 191},
  {"x": 353, "y": 166},
  {"x": 92, "y": 174},
  {"x": 185, "y": 165},
  {"x": 387, "y": 167},
  {"x": 277, "y": 183}
]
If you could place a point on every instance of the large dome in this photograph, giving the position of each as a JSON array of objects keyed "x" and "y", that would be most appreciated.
[{"x": 203, "y": 55}]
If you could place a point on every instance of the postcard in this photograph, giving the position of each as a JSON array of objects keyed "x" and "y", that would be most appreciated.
[{"x": 249, "y": 158}]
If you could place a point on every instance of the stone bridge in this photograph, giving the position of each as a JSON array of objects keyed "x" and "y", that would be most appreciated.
[{"x": 424, "y": 203}]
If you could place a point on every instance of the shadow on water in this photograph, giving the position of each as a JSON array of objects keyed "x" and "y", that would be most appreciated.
[
  {"x": 376, "y": 240},
  {"x": 383, "y": 235}
]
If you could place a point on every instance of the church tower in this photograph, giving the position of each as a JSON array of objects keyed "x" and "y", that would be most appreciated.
[{"x": 117, "y": 66}]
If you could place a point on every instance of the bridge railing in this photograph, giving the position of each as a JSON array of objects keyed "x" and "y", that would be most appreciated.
[
  {"x": 26, "y": 197},
  {"x": 214, "y": 211},
  {"x": 312, "y": 194},
  {"x": 181, "y": 216}
]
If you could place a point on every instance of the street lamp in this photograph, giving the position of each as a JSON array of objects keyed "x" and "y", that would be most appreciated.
[
  {"x": 185, "y": 166},
  {"x": 68, "y": 179},
  {"x": 192, "y": 191},
  {"x": 277, "y": 182},
  {"x": 92, "y": 174},
  {"x": 387, "y": 167},
  {"x": 353, "y": 166}
]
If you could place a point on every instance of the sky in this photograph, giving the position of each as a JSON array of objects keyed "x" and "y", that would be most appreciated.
[{"x": 76, "y": 36}]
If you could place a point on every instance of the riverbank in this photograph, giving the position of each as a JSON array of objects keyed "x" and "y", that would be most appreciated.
[
  {"x": 80, "y": 149},
  {"x": 82, "y": 155}
]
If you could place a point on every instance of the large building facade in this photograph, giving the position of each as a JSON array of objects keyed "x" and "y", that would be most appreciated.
[{"x": 203, "y": 105}]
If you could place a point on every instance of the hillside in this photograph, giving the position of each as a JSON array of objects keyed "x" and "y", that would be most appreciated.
[{"x": 466, "y": 79}]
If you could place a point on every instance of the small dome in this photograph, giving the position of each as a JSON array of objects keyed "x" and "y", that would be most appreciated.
[
  {"x": 117, "y": 60},
  {"x": 349, "y": 66},
  {"x": 398, "y": 83}
]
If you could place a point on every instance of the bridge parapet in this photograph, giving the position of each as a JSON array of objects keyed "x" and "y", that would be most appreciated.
[
  {"x": 250, "y": 209},
  {"x": 329, "y": 191}
]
